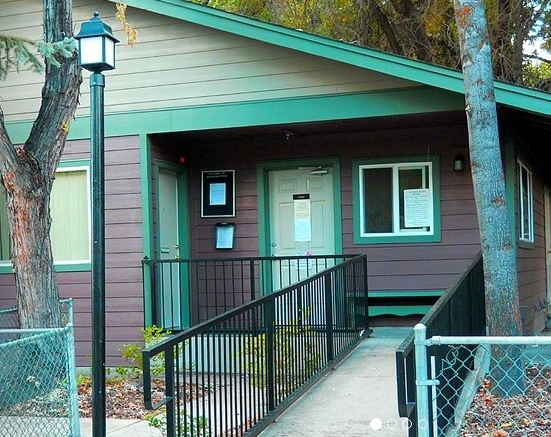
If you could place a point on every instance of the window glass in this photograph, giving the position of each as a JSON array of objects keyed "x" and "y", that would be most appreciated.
[
  {"x": 526, "y": 222},
  {"x": 69, "y": 208},
  {"x": 70, "y": 213},
  {"x": 396, "y": 200},
  {"x": 377, "y": 183}
]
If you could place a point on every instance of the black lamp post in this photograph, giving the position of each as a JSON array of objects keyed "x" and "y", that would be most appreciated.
[{"x": 96, "y": 53}]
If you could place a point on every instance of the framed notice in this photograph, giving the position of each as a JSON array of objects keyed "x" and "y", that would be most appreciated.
[{"x": 218, "y": 193}]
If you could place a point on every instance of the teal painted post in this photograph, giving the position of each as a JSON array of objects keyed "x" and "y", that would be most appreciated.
[
  {"x": 97, "y": 85},
  {"x": 421, "y": 381},
  {"x": 498, "y": 248}
]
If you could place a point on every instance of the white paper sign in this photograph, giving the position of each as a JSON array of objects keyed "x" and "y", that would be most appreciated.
[
  {"x": 417, "y": 208},
  {"x": 302, "y": 219},
  {"x": 217, "y": 193}
]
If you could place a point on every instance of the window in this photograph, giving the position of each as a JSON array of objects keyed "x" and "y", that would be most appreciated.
[
  {"x": 396, "y": 201},
  {"x": 70, "y": 212},
  {"x": 526, "y": 212}
]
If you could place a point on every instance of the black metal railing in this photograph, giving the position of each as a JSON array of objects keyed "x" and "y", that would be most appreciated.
[
  {"x": 180, "y": 293},
  {"x": 459, "y": 311},
  {"x": 233, "y": 374}
]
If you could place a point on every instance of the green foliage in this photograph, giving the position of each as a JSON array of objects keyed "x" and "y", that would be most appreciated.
[
  {"x": 192, "y": 426},
  {"x": 296, "y": 358},
  {"x": 418, "y": 29},
  {"x": 83, "y": 380},
  {"x": 17, "y": 53},
  {"x": 132, "y": 354}
]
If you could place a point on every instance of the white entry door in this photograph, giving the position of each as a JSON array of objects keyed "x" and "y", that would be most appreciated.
[
  {"x": 301, "y": 217},
  {"x": 302, "y": 223},
  {"x": 169, "y": 295}
]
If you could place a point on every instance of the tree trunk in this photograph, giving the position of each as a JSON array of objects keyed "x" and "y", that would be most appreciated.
[
  {"x": 28, "y": 172},
  {"x": 498, "y": 250}
]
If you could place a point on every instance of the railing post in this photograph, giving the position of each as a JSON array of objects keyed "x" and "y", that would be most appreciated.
[
  {"x": 252, "y": 280},
  {"x": 269, "y": 322},
  {"x": 329, "y": 318},
  {"x": 171, "y": 426},
  {"x": 422, "y": 380}
]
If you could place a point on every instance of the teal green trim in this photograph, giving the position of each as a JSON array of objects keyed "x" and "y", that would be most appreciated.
[
  {"x": 74, "y": 163},
  {"x": 6, "y": 267},
  {"x": 363, "y": 57},
  {"x": 262, "y": 112},
  {"x": 396, "y": 310},
  {"x": 61, "y": 267},
  {"x": 184, "y": 226},
  {"x": 401, "y": 309},
  {"x": 147, "y": 226},
  {"x": 263, "y": 197},
  {"x": 405, "y": 293},
  {"x": 397, "y": 239},
  {"x": 147, "y": 196}
]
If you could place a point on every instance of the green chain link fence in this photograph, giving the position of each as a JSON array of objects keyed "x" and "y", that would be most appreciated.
[
  {"x": 38, "y": 392},
  {"x": 485, "y": 386}
]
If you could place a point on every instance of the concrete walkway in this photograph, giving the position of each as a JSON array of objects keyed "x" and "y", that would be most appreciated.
[
  {"x": 357, "y": 399},
  {"x": 121, "y": 428}
]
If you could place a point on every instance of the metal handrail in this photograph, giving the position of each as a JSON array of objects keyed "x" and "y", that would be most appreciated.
[
  {"x": 459, "y": 311},
  {"x": 257, "y": 358},
  {"x": 179, "y": 293}
]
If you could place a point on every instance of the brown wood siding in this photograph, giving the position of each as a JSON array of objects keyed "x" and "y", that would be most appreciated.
[
  {"x": 433, "y": 266},
  {"x": 532, "y": 276},
  {"x": 124, "y": 249}
]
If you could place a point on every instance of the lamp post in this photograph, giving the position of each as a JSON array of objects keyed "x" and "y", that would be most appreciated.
[{"x": 96, "y": 53}]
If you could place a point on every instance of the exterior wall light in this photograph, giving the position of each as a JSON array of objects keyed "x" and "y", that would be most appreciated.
[
  {"x": 96, "y": 45},
  {"x": 459, "y": 163}
]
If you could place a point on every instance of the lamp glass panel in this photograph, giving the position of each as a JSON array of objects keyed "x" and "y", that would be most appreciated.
[
  {"x": 91, "y": 50},
  {"x": 110, "y": 52}
]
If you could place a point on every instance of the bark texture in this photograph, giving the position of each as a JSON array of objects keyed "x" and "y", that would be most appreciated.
[
  {"x": 498, "y": 250},
  {"x": 27, "y": 172}
]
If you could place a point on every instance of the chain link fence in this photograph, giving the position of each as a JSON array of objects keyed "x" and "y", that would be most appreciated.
[
  {"x": 483, "y": 386},
  {"x": 38, "y": 392}
]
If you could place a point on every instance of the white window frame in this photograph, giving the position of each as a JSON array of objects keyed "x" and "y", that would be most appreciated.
[
  {"x": 525, "y": 204},
  {"x": 397, "y": 231}
]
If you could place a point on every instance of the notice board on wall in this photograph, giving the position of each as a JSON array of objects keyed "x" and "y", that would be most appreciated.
[{"x": 218, "y": 193}]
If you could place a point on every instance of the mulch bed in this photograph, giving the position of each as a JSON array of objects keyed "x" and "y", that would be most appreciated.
[
  {"x": 528, "y": 415},
  {"x": 124, "y": 398}
]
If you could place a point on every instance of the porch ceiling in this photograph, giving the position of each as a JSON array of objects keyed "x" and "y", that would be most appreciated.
[{"x": 535, "y": 132}]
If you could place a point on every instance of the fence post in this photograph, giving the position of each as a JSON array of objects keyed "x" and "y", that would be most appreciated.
[
  {"x": 329, "y": 318},
  {"x": 269, "y": 322},
  {"x": 72, "y": 381},
  {"x": 421, "y": 380}
]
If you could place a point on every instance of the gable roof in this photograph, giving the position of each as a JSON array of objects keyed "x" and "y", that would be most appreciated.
[{"x": 427, "y": 74}]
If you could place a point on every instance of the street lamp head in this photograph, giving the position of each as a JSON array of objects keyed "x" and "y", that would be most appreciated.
[{"x": 96, "y": 45}]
